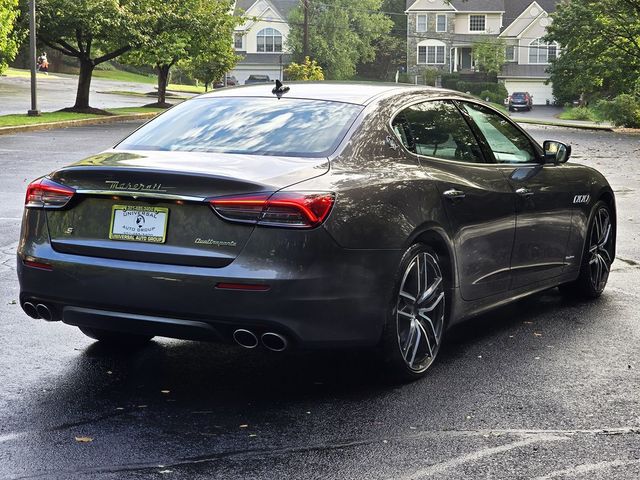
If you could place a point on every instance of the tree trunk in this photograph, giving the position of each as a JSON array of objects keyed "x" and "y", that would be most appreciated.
[
  {"x": 163, "y": 80},
  {"x": 84, "y": 85}
]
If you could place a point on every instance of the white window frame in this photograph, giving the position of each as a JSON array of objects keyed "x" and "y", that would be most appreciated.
[
  {"x": 426, "y": 22},
  {"x": 235, "y": 37},
  {"x": 511, "y": 58},
  {"x": 485, "y": 22},
  {"x": 438, "y": 53},
  {"x": 537, "y": 46},
  {"x": 276, "y": 33},
  {"x": 446, "y": 22}
]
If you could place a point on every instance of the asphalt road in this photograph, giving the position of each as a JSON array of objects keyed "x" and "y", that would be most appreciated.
[{"x": 544, "y": 389}]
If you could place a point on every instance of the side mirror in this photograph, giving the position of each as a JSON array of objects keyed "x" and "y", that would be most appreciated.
[{"x": 556, "y": 152}]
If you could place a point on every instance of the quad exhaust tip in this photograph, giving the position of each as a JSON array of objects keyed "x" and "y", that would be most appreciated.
[
  {"x": 274, "y": 342},
  {"x": 30, "y": 309},
  {"x": 245, "y": 338},
  {"x": 44, "y": 312}
]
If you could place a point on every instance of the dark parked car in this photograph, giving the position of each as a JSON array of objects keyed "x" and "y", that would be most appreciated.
[
  {"x": 520, "y": 101},
  {"x": 339, "y": 215},
  {"x": 257, "y": 79},
  {"x": 231, "y": 81}
]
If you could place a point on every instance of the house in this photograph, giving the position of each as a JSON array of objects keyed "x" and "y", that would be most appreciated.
[
  {"x": 441, "y": 35},
  {"x": 262, "y": 39}
]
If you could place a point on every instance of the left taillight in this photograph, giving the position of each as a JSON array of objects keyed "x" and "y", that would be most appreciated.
[
  {"x": 45, "y": 193},
  {"x": 281, "y": 209}
]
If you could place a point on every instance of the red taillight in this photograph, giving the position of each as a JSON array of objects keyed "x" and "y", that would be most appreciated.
[
  {"x": 27, "y": 262},
  {"x": 47, "y": 193},
  {"x": 282, "y": 209}
]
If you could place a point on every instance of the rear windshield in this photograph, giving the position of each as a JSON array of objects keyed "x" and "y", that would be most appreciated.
[
  {"x": 259, "y": 126},
  {"x": 518, "y": 96}
]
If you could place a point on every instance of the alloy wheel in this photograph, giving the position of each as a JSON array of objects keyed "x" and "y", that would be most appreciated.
[
  {"x": 420, "y": 312},
  {"x": 600, "y": 249}
]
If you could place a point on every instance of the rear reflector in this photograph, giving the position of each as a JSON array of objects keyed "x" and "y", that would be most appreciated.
[
  {"x": 242, "y": 286},
  {"x": 47, "y": 193},
  {"x": 282, "y": 209},
  {"x": 39, "y": 265}
]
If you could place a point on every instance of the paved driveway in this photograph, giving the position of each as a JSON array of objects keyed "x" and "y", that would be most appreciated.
[{"x": 545, "y": 389}]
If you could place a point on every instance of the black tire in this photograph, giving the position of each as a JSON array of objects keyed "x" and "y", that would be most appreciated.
[
  {"x": 597, "y": 256},
  {"x": 412, "y": 339},
  {"x": 116, "y": 339}
]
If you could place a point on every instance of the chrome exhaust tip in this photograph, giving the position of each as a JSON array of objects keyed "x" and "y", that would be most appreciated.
[
  {"x": 274, "y": 342},
  {"x": 245, "y": 338},
  {"x": 30, "y": 309},
  {"x": 44, "y": 312}
]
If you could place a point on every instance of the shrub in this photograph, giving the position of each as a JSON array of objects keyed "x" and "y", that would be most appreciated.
[
  {"x": 450, "y": 80},
  {"x": 308, "y": 70},
  {"x": 579, "y": 113},
  {"x": 623, "y": 111},
  {"x": 493, "y": 97},
  {"x": 480, "y": 87},
  {"x": 430, "y": 75}
]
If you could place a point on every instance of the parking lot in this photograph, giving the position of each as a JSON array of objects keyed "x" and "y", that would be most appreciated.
[{"x": 546, "y": 388}]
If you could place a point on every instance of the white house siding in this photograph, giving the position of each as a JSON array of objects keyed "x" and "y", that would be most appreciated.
[{"x": 537, "y": 29}]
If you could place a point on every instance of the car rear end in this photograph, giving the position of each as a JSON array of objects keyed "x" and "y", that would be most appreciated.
[
  {"x": 202, "y": 244},
  {"x": 520, "y": 101}
]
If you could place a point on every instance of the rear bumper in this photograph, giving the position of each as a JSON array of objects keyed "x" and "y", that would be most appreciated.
[{"x": 320, "y": 295}]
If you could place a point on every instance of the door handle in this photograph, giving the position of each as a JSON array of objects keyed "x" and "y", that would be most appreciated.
[
  {"x": 524, "y": 192},
  {"x": 454, "y": 194}
]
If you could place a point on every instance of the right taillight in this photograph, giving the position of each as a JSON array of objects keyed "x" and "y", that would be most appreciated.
[
  {"x": 47, "y": 193},
  {"x": 282, "y": 209}
]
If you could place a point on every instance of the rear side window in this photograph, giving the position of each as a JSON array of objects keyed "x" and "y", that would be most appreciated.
[
  {"x": 258, "y": 126},
  {"x": 438, "y": 130}
]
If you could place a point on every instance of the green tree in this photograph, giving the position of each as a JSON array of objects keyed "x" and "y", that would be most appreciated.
[
  {"x": 391, "y": 49},
  {"x": 8, "y": 42},
  {"x": 309, "y": 70},
  {"x": 197, "y": 33},
  {"x": 600, "y": 53},
  {"x": 93, "y": 31},
  {"x": 490, "y": 54},
  {"x": 342, "y": 33}
]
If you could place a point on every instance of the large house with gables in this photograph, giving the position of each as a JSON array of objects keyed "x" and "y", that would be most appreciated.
[
  {"x": 262, "y": 39},
  {"x": 441, "y": 35}
]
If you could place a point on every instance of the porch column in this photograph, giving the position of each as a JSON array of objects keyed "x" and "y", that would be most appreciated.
[{"x": 455, "y": 62}]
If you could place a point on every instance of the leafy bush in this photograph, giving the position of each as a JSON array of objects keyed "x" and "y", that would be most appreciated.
[
  {"x": 429, "y": 76},
  {"x": 480, "y": 87},
  {"x": 623, "y": 111},
  {"x": 493, "y": 97},
  {"x": 580, "y": 113},
  {"x": 450, "y": 80},
  {"x": 308, "y": 70}
]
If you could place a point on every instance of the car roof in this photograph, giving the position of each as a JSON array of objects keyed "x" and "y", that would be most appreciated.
[{"x": 360, "y": 93}]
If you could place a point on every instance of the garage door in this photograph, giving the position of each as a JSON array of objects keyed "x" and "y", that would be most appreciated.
[{"x": 540, "y": 92}]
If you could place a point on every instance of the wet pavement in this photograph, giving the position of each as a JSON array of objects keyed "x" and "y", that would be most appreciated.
[{"x": 546, "y": 388}]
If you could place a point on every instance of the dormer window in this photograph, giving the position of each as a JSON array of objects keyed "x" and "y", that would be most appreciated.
[
  {"x": 477, "y": 23},
  {"x": 269, "y": 40}
]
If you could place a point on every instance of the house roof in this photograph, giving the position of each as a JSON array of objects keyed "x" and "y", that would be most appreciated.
[
  {"x": 472, "y": 5},
  {"x": 283, "y": 7},
  {"x": 514, "y": 70},
  {"x": 265, "y": 58}
]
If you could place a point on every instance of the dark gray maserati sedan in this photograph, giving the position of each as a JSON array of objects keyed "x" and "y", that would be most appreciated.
[{"x": 318, "y": 215}]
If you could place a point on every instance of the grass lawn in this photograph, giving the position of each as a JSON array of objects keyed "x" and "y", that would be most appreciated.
[
  {"x": 122, "y": 76},
  {"x": 19, "y": 73},
  {"x": 582, "y": 114},
  {"x": 49, "y": 117}
]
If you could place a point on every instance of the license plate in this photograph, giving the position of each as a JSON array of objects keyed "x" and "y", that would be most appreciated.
[{"x": 139, "y": 224}]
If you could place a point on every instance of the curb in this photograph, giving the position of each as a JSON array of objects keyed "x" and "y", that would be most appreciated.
[
  {"x": 76, "y": 123},
  {"x": 580, "y": 126}
]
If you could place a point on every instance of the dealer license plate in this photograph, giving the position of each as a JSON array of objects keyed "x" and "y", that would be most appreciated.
[{"x": 139, "y": 223}]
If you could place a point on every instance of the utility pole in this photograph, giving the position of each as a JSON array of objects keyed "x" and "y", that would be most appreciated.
[
  {"x": 34, "y": 112},
  {"x": 305, "y": 39}
]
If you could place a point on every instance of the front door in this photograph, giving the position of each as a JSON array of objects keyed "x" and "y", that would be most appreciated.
[
  {"x": 466, "y": 58},
  {"x": 477, "y": 198},
  {"x": 543, "y": 205}
]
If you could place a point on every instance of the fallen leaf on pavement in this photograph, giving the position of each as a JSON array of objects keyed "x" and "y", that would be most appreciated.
[{"x": 84, "y": 439}]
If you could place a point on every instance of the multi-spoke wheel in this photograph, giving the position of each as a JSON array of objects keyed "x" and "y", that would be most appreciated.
[
  {"x": 417, "y": 322},
  {"x": 598, "y": 256}
]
